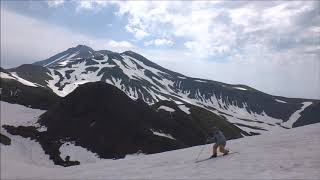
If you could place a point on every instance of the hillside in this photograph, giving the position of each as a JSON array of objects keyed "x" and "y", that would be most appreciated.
[
  {"x": 103, "y": 119},
  {"x": 285, "y": 154},
  {"x": 15, "y": 89}
]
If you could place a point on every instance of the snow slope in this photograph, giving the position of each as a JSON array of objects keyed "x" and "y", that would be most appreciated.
[
  {"x": 21, "y": 150},
  {"x": 15, "y": 114},
  {"x": 285, "y": 154}
]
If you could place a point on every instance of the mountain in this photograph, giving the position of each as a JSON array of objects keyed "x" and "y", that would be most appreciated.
[
  {"x": 249, "y": 109},
  {"x": 15, "y": 89},
  {"x": 104, "y": 120}
]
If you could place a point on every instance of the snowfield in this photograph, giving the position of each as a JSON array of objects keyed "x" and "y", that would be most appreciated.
[
  {"x": 284, "y": 154},
  {"x": 15, "y": 114}
]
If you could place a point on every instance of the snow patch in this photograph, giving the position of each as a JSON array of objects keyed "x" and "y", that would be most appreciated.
[
  {"x": 184, "y": 109},
  {"x": 22, "y": 151},
  {"x": 181, "y": 77},
  {"x": 23, "y": 81},
  {"x": 240, "y": 88},
  {"x": 162, "y": 134},
  {"x": 296, "y": 115},
  {"x": 77, "y": 153},
  {"x": 200, "y": 80},
  {"x": 56, "y": 60},
  {"x": 18, "y": 115},
  {"x": 76, "y": 78},
  {"x": 6, "y": 76},
  {"x": 280, "y": 101},
  {"x": 166, "y": 108}
]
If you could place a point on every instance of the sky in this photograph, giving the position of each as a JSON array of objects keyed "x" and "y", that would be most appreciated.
[{"x": 273, "y": 46}]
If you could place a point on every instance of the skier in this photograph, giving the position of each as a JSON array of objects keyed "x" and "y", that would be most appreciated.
[{"x": 220, "y": 142}]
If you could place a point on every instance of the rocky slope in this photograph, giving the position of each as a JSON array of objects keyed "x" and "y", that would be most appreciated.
[
  {"x": 103, "y": 119},
  {"x": 14, "y": 89}
]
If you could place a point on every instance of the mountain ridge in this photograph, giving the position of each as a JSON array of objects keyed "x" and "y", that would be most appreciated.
[{"x": 143, "y": 79}]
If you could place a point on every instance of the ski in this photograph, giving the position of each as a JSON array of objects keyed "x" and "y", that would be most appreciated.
[{"x": 215, "y": 157}]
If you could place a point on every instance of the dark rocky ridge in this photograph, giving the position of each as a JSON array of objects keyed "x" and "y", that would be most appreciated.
[
  {"x": 5, "y": 140},
  {"x": 33, "y": 73},
  {"x": 101, "y": 118},
  {"x": 13, "y": 91}
]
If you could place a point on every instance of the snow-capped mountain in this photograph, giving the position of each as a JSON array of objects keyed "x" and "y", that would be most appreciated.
[{"x": 251, "y": 110}]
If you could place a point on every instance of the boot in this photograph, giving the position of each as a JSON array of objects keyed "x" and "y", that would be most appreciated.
[
  {"x": 214, "y": 155},
  {"x": 226, "y": 152}
]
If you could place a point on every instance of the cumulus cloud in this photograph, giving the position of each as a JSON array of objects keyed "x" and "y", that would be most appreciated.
[
  {"x": 26, "y": 40},
  {"x": 270, "y": 45},
  {"x": 138, "y": 33},
  {"x": 222, "y": 28},
  {"x": 90, "y": 4},
  {"x": 159, "y": 42},
  {"x": 85, "y": 5},
  {"x": 119, "y": 45}
]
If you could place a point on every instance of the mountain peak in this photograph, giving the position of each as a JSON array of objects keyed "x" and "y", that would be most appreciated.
[
  {"x": 81, "y": 46},
  {"x": 129, "y": 52},
  {"x": 84, "y": 49},
  {"x": 79, "y": 51}
]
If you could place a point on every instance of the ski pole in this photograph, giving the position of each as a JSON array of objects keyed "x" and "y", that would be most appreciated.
[{"x": 203, "y": 146}]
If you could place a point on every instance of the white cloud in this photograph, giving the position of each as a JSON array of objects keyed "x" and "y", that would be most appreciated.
[
  {"x": 213, "y": 28},
  {"x": 159, "y": 42},
  {"x": 193, "y": 22},
  {"x": 138, "y": 33},
  {"x": 91, "y": 4},
  {"x": 26, "y": 40},
  {"x": 119, "y": 45},
  {"x": 55, "y": 3},
  {"x": 272, "y": 46},
  {"x": 219, "y": 28},
  {"x": 85, "y": 5}
]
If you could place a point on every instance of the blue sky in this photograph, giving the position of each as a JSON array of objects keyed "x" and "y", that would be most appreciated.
[{"x": 273, "y": 46}]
